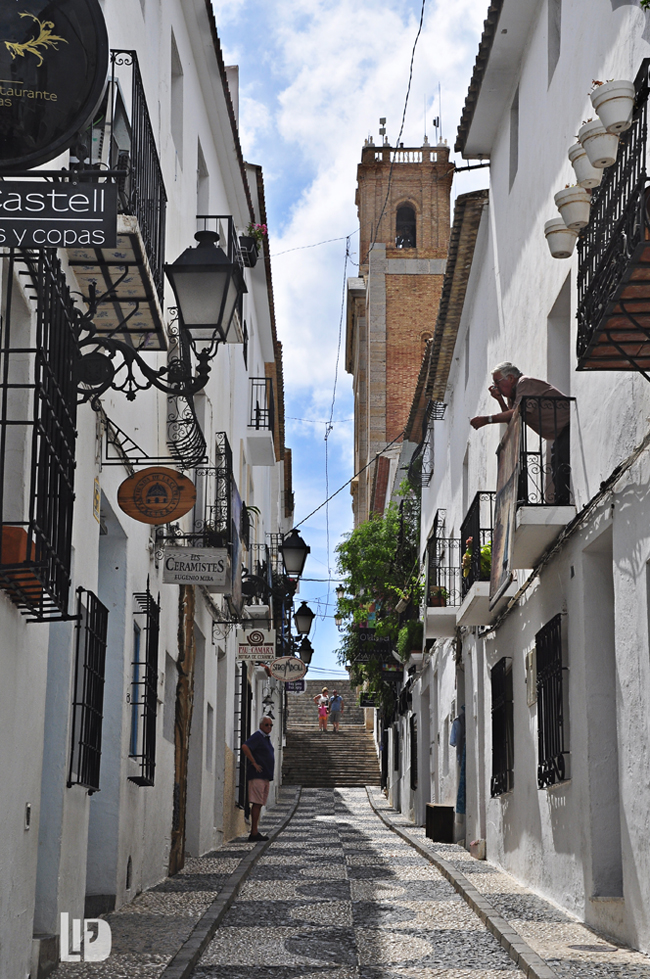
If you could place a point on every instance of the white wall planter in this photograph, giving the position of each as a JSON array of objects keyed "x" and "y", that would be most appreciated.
[
  {"x": 614, "y": 103},
  {"x": 573, "y": 203},
  {"x": 561, "y": 240},
  {"x": 586, "y": 175},
  {"x": 601, "y": 146}
]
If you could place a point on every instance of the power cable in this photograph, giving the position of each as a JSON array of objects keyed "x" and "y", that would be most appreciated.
[{"x": 300, "y": 248}]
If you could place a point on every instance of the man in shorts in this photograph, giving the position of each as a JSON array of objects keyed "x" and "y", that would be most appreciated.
[
  {"x": 336, "y": 709},
  {"x": 260, "y": 755}
]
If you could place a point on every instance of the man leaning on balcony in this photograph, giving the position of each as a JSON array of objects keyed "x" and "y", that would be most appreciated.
[{"x": 545, "y": 415}]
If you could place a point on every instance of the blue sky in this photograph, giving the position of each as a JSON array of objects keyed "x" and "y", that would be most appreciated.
[{"x": 315, "y": 76}]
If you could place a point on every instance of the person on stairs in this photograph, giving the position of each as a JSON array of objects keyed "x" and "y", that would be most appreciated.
[
  {"x": 259, "y": 773},
  {"x": 322, "y": 701},
  {"x": 336, "y": 709}
]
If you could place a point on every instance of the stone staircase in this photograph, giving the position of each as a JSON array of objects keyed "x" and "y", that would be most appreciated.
[{"x": 326, "y": 760}]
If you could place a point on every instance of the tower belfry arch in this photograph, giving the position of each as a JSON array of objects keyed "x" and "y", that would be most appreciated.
[{"x": 403, "y": 205}]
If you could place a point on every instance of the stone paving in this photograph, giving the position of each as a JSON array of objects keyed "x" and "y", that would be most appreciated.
[
  {"x": 550, "y": 931},
  {"x": 339, "y": 896}
]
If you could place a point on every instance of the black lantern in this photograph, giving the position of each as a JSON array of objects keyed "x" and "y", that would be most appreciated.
[
  {"x": 305, "y": 651},
  {"x": 340, "y": 593},
  {"x": 303, "y": 619},
  {"x": 294, "y": 554},
  {"x": 208, "y": 285}
]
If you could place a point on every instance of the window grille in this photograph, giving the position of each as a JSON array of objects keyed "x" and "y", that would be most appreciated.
[
  {"x": 242, "y": 730},
  {"x": 421, "y": 466},
  {"x": 396, "y": 747},
  {"x": 144, "y": 701},
  {"x": 38, "y": 412},
  {"x": 477, "y": 528},
  {"x": 261, "y": 404},
  {"x": 551, "y": 765},
  {"x": 502, "y": 727},
  {"x": 88, "y": 691}
]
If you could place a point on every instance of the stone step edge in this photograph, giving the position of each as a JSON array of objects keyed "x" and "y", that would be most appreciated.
[
  {"x": 530, "y": 963},
  {"x": 185, "y": 960}
]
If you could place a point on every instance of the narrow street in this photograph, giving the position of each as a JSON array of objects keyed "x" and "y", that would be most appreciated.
[{"x": 338, "y": 894}]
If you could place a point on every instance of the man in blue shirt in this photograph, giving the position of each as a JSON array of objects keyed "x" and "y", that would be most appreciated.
[
  {"x": 260, "y": 755},
  {"x": 336, "y": 709}
]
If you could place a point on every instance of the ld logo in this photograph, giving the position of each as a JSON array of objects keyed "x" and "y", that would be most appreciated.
[{"x": 96, "y": 939}]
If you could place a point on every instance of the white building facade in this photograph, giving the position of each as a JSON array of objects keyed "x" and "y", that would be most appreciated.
[
  {"x": 550, "y": 657},
  {"x": 124, "y": 703}
]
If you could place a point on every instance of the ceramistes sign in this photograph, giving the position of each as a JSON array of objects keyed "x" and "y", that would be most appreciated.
[{"x": 53, "y": 69}]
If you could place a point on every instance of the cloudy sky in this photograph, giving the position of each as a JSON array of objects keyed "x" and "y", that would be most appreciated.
[{"x": 315, "y": 76}]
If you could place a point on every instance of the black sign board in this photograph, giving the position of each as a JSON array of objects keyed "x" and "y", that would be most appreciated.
[
  {"x": 366, "y": 701},
  {"x": 53, "y": 69},
  {"x": 62, "y": 215}
]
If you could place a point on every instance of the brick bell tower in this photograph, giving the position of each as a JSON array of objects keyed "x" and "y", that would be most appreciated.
[{"x": 404, "y": 222}]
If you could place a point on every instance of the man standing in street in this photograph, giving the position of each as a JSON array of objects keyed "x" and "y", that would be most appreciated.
[
  {"x": 336, "y": 709},
  {"x": 259, "y": 773}
]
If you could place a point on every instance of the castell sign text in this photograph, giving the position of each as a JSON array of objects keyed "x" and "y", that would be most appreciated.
[{"x": 46, "y": 215}]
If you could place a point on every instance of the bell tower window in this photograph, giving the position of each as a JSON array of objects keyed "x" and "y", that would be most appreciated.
[{"x": 405, "y": 236}]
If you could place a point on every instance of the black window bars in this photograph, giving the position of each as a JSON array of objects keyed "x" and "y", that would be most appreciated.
[
  {"x": 38, "y": 413},
  {"x": 551, "y": 751},
  {"x": 262, "y": 413},
  {"x": 476, "y": 540},
  {"x": 242, "y": 731},
  {"x": 443, "y": 571},
  {"x": 502, "y": 728},
  {"x": 144, "y": 684},
  {"x": 545, "y": 454},
  {"x": 88, "y": 691}
]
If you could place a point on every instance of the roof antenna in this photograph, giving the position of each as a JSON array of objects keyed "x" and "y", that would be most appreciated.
[
  {"x": 440, "y": 109},
  {"x": 382, "y": 129}
]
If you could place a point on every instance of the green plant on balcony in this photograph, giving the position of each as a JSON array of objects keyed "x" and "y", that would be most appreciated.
[
  {"x": 410, "y": 638},
  {"x": 438, "y": 596},
  {"x": 485, "y": 560}
]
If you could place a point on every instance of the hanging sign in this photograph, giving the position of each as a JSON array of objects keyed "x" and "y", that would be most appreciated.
[
  {"x": 38, "y": 214},
  {"x": 156, "y": 495},
  {"x": 295, "y": 686},
  {"x": 53, "y": 69},
  {"x": 288, "y": 668},
  {"x": 196, "y": 566},
  {"x": 256, "y": 645}
]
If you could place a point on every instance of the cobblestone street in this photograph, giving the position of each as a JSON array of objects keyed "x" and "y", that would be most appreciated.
[{"x": 338, "y": 894}]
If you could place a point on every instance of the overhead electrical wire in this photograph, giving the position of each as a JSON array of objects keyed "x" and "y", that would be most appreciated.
[{"x": 327, "y": 241}]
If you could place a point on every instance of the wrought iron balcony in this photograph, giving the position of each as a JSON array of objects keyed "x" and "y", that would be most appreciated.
[
  {"x": 476, "y": 540},
  {"x": 261, "y": 423},
  {"x": 121, "y": 138},
  {"x": 545, "y": 452},
  {"x": 614, "y": 257}
]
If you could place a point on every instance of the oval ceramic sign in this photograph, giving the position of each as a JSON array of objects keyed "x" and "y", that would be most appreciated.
[
  {"x": 53, "y": 69},
  {"x": 156, "y": 495},
  {"x": 288, "y": 668}
]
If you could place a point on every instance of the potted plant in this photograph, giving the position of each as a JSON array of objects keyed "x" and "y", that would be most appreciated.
[
  {"x": 438, "y": 596},
  {"x": 614, "y": 103},
  {"x": 250, "y": 243},
  {"x": 601, "y": 147},
  {"x": 573, "y": 203},
  {"x": 561, "y": 240},
  {"x": 409, "y": 639},
  {"x": 586, "y": 175}
]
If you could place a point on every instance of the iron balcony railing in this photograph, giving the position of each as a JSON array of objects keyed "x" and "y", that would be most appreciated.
[
  {"x": 213, "y": 511},
  {"x": 261, "y": 414},
  {"x": 443, "y": 571},
  {"x": 551, "y": 750},
  {"x": 121, "y": 137},
  {"x": 545, "y": 452},
  {"x": 476, "y": 540},
  {"x": 618, "y": 225}
]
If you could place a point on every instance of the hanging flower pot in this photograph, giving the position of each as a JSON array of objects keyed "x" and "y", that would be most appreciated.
[
  {"x": 573, "y": 203},
  {"x": 586, "y": 175},
  {"x": 614, "y": 103},
  {"x": 601, "y": 146},
  {"x": 561, "y": 240}
]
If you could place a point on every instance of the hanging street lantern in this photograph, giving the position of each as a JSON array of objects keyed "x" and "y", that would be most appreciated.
[
  {"x": 305, "y": 651},
  {"x": 303, "y": 619},
  {"x": 294, "y": 554},
  {"x": 208, "y": 285}
]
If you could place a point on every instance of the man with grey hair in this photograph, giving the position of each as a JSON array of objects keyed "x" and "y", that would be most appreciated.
[
  {"x": 260, "y": 756},
  {"x": 546, "y": 412}
]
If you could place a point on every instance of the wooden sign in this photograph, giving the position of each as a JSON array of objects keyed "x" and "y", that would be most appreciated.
[
  {"x": 288, "y": 668},
  {"x": 156, "y": 495}
]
